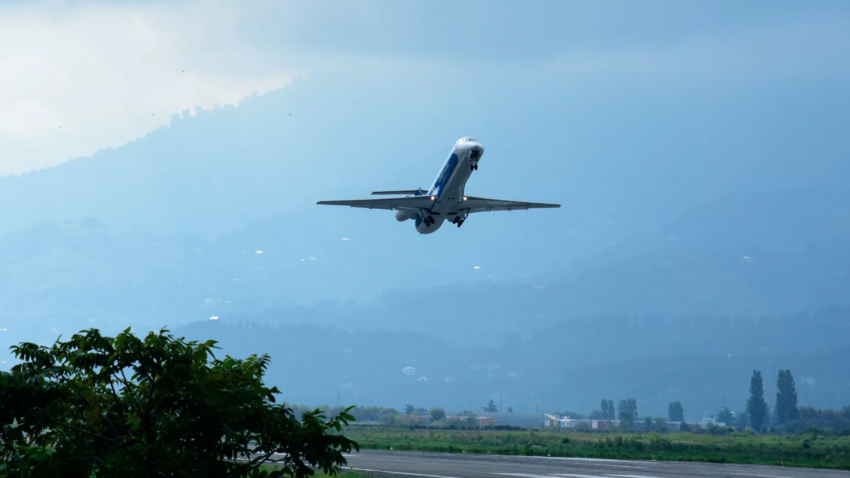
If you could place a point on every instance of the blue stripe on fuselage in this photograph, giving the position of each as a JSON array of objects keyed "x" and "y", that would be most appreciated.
[{"x": 444, "y": 176}]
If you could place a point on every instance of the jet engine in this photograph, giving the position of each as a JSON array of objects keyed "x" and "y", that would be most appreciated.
[
  {"x": 402, "y": 216},
  {"x": 428, "y": 224}
]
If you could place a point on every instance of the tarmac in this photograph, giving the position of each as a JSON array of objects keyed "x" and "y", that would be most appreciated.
[{"x": 440, "y": 465}]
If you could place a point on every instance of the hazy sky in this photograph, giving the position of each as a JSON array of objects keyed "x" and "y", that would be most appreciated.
[{"x": 78, "y": 76}]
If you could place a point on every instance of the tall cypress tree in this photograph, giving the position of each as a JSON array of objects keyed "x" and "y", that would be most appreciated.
[
  {"x": 756, "y": 406},
  {"x": 786, "y": 398},
  {"x": 792, "y": 412},
  {"x": 604, "y": 408},
  {"x": 781, "y": 397},
  {"x": 611, "y": 412}
]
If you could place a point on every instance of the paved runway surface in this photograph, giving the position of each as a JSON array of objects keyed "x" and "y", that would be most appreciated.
[{"x": 436, "y": 465}]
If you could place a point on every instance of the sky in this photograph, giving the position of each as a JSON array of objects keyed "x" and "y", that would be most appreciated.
[
  {"x": 215, "y": 126},
  {"x": 79, "y": 76}
]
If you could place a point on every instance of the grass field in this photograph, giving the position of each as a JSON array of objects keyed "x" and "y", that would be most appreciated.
[{"x": 808, "y": 450}]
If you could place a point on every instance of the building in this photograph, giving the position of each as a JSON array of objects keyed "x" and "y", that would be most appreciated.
[
  {"x": 487, "y": 422},
  {"x": 567, "y": 422}
]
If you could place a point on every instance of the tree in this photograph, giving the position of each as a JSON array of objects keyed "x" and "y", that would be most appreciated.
[
  {"x": 611, "y": 412},
  {"x": 628, "y": 410},
  {"x": 491, "y": 407},
  {"x": 756, "y": 406},
  {"x": 725, "y": 416},
  {"x": 409, "y": 409},
  {"x": 648, "y": 421},
  {"x": 786, "y": 398},
  {"x": 605, "y": 408},
  {"x": 437, "y": 414},
  {"x": 510, "y": 409},
  {"x": 675, "y": 412},
  {"x": 158, "y": 406}
]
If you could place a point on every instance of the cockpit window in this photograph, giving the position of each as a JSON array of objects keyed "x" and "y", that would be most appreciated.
[{"x": 469, "y": 139}]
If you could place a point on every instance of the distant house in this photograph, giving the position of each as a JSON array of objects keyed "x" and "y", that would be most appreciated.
[
  {"x": 550, "y": 420},
  {"x": 567, "y": 422},
  {"x": 487, "y": 422}
]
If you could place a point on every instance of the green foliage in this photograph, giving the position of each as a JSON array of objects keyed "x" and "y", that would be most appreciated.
[
  {"x": 786, "y": 398},
  {"x": 676, "y": 412},
  {"x": 158, "y": 406},
  {"x": 756, "y": 406},
  {"x": 736, "y": 447},
  {"x": 491, "y": 407},
  {"x": 438, "y": 414},
  {"x": 725, "y": 416},
  {"x": 627, "y": 411}
]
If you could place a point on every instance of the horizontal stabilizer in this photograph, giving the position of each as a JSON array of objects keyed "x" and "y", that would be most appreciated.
[
  {"x": 410, "y": 202},
  {"x": 416, "y": 192}
]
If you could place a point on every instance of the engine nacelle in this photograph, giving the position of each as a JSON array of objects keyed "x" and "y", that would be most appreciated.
[
  {"x": 427, "y": 228},
  {"x": 402, "y": 216}
]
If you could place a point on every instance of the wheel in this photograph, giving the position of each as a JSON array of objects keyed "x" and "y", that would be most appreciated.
[{"x": 475, "y": 167}]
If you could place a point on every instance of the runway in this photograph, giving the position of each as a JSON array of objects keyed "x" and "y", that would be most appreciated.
[{"x": 437, "y": 465}]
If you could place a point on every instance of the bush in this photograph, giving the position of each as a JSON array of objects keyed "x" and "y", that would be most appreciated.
[{"x": 123, "y": 406}]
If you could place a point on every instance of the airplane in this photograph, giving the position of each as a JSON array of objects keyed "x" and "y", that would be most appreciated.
[{"x": 446, "y": 199}]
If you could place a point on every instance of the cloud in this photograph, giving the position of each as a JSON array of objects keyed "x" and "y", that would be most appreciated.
[
  {"x": 109, "y": 73},
  {"x": 77, "y": 77},
  {"x": 346, "y": 239}
]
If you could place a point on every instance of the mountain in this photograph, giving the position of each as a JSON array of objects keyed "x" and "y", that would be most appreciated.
[
  {"x": 60, "y": 277},
  {"x": 569, "y": 366},
  {"x": 712, "y": 260}
]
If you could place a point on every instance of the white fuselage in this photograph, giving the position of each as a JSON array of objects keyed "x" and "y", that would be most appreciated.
[{"x": 448, "y": 187}]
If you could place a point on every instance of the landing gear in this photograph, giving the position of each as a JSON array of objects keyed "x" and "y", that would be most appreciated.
[
  {"x": 428, "y": 221},
  {"x": 475, "y": 166},
  {"x": 459, "y": 222}
]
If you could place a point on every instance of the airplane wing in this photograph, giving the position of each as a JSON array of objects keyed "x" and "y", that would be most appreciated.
[
  {"x": 475, "y": 204},
  {"x": 412, "y": 202}
]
